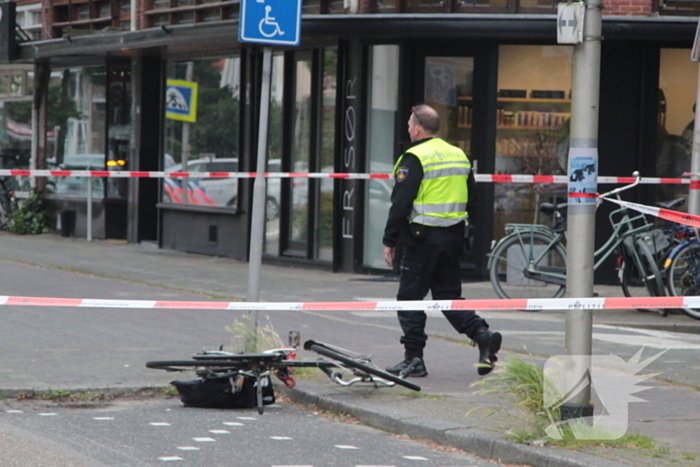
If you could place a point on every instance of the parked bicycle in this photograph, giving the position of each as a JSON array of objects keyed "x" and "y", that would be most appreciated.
[
  {"x": 530, "y": 261},
  {"x": 682, "y": 268},
  {"x": 8, "y": 203}
]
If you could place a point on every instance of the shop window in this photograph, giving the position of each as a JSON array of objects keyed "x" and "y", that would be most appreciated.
[
  {"x": 678, "y": 79},
  {"x": 210, "y": 142},
  {"x": 77, "y": 113},
  {"x": 381, "y": 124},
  {"x": 118, "y": 127},
  {"x": 532, "y": 121},
  {"x": 16, "y": 116}
]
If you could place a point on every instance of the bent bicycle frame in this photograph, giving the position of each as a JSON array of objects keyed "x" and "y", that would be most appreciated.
[{"x": 215, "y": 364}]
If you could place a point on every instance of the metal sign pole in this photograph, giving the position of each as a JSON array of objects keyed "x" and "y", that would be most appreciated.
[
  {"x": 259, "y": 192},
  {"x": 694, "y": 192},
  {"x": 583, "y": 184},
  {"x": 264, "y": 22}
]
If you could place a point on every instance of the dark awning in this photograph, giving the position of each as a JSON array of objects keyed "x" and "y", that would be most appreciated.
[{"x": 223, "y": 35}]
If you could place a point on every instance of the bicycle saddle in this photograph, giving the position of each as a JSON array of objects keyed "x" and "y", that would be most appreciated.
[
  {"x": 671, "y": 204},
  {"x": 549, "y": 208}
]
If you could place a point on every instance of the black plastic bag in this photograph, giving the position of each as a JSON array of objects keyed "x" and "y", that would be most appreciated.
[{"x": 224, "y": 393}]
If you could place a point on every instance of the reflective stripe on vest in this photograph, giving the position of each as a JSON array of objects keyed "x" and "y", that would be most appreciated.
[{"x": 442, "y": 196}]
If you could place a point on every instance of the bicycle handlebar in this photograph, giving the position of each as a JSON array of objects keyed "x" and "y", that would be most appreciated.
[{"x": 623, "y": 188}]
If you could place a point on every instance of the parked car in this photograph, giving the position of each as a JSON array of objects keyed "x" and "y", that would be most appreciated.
[
  {"x": 213, "y": 191},
  {"x": 78, "y": 186},
  {"x": 204, "y": 191}
]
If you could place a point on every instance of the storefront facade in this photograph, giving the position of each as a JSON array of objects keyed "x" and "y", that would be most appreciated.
[{"x": 339, "y": 103}]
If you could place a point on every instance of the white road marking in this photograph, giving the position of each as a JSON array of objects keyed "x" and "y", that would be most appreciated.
[
  {"x": 14, "y": 411},
  {"x": 159, "y": 424},
  {"x": 233, "y": 424},
  {"x": 281, "y": 438},
  {"x": 47, "y": 414},
  {"x": 415, "y": 458},
  {"x": 103, "y": 418},
  {"x": 204, "y": 440},
  {"x": 341, "y": 446},
  {"x": 172, "y": 458},
  {"x": 246, "y": 418},
  {"x": 219, "y": 432},
  {"x": 187, "y": 448}
]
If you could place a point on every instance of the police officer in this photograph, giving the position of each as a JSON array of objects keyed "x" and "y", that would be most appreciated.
[{"x": 434, "y": 194}]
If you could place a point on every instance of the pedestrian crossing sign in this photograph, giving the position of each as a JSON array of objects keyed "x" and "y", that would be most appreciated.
[{"x": 181, "y": 100}]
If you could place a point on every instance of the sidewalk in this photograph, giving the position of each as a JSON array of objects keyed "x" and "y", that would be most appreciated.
[{"x": 52, "y": 266}]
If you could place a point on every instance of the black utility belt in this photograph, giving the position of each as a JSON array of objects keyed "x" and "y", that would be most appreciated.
[{"x": 419, "y": 231}]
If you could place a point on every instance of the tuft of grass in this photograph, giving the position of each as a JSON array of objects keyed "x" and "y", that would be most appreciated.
[
  {"x": 521, "y": 384},
  {"x": 251, "y": 337}
]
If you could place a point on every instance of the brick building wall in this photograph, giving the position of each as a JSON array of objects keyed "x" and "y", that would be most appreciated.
[{"x": 627, "y": 7}]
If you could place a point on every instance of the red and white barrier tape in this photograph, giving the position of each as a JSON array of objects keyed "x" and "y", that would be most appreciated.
[
  {"x": 553, "y": 304},
  {"x": 484, "y": 178},
  {"x": 666, "y": 214}
]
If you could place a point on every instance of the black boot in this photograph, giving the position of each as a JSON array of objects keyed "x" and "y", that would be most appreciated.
[
  {"x": 489, "y": 344},
  {"x": 418, "y": 370}
]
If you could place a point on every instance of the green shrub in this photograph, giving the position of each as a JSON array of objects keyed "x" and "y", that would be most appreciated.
[{"x": 36, "y": 215}]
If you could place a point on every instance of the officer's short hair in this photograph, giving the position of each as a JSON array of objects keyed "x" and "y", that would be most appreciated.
[{"x": 427, "y": 117}]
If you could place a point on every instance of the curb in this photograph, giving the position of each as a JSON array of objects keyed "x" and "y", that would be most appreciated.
[
  {"x": 473, "y": 441},
  {"x": 106, "y": 391}
]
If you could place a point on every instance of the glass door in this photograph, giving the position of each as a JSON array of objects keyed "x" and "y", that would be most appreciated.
[
  {"x": 302, "y": 112},
  {"x": 308, "y": 219}
]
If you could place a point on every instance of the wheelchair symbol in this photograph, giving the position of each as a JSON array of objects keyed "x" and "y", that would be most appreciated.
[{"x": 268, "y": 23}]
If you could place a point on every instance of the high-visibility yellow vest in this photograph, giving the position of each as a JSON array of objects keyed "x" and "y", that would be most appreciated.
[{"x": 443, "y": 195}]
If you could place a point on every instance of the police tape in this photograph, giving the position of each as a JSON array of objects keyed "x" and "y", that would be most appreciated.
[
  {"x": 684, "y": 218},
  {"x": 484, "y": 178},
  {"x": 529, "y": 304}
]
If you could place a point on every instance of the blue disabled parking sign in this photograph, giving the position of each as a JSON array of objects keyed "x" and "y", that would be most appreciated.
[{"x": 270, "y": 21}]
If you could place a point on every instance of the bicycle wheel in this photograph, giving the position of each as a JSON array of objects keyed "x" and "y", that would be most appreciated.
[
  {"x": 631, "y": 280},
  {"x": 5, "y": 211},
  {"x": 642, "y": 277},
  {"x": 684, "y": 275},
  {"x": 320, "y": 348},
  {"x": 511, "y": 258}
]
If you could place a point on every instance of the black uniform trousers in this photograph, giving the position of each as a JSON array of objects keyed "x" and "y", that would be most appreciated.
[{"x": 432, "y": 264}]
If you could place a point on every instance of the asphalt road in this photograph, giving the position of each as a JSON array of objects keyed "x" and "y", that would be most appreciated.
[{"x": 154, "y": 432}]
